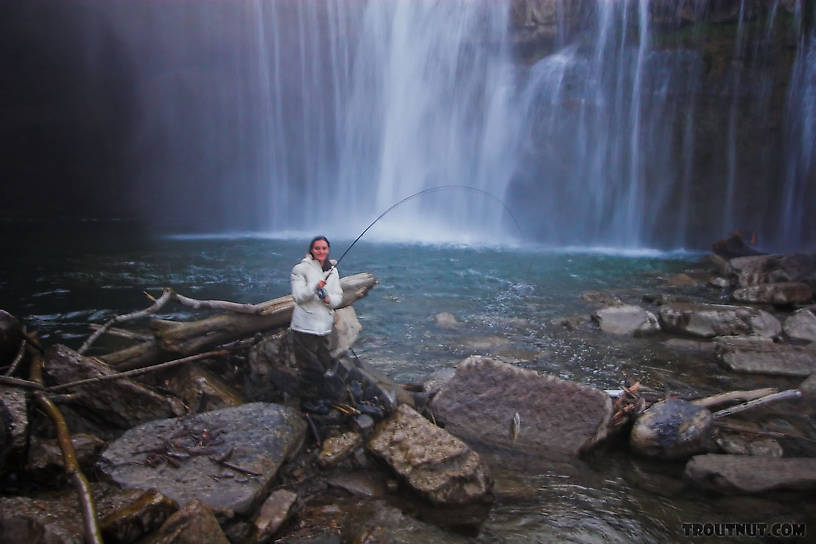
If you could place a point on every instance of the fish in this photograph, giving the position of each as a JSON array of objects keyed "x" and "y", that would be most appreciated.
[{"x": 515, "y": 426}]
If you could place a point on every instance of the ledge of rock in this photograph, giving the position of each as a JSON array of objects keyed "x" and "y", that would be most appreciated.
[
  {"x": 784, "y": 293},
  {"x": 435, "y": 463},
  {"x": 758, "y": 356},
  {"x": 178, "y": 456},
  {"x": 557, "y": 417},
  {"x": 709, "y": 320},
  {"x": 743, "y": 474}
]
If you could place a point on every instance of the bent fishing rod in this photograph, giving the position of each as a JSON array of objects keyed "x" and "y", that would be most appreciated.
[{"x": 434, "y": 189}]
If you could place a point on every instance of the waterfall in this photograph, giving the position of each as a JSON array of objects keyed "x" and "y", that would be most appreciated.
[{"x": 627, "y": 130}]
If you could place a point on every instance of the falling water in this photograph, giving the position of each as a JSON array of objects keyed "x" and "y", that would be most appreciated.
[{"x": 318, "y": 114}]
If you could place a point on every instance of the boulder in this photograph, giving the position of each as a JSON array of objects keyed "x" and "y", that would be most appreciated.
[
  {"x": 120, "y": 403},
  {"x": 276, "y": 510},
  {"x": 801, "y": 325},
  {"x": 671, "y": 429},
  {"x": 792, "y": 267},
  {"x": 435, "y": 463},
  {"x": 338, "y": 448},
  {"x": 345, "y": 331},
  {"x": 782, "y": 294},
  {"x": 226, "y": 458},
  {"x": 557, "y": 417},
  {"x": 742, "y": 444},
  {"x": 11, "y": 335},
  {"x": 45, "y": 455},
  {"x": 743, "y": 474},
  {"x": 145, "y": 513},
  {"x": 193, "y": 524},
  {"x": 761, "y": 356},
  {"x": 13, "y": 427},
  {"x": 446, "y": 320},
  {"x": 709, "y": 320},
  {"x": 201, "y": 390},
  {"x": 626, "y": 320}
]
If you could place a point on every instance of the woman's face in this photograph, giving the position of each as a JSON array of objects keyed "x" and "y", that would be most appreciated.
[{"x": 320, "y": 250}]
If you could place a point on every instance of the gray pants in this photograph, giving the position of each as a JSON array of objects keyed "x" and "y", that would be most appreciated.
[{"x": 317, "y": 368}]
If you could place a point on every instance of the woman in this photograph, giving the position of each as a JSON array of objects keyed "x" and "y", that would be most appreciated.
[{"x": 316, "y": 290}]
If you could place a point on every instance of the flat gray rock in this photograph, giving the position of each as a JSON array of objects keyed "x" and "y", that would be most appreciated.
[
  {"x": 709, "y": 320},
  {"x": 557, "y": 418},
  {"x": 756, "y": 356},
  {"x": 744, "y": 474},
  {"x": 801, "y": 325},
  {"x": 176, "y": 456},
  {"x": 626, "y": 320}
]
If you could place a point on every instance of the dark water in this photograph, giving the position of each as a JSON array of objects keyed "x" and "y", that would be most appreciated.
[{"x": 509, "y": 302}]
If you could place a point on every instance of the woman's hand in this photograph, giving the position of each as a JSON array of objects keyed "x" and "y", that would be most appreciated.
[{"x": 321, "y": 284}]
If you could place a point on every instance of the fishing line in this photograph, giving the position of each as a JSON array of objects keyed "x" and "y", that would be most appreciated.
[{"x": 420, "y": 193}]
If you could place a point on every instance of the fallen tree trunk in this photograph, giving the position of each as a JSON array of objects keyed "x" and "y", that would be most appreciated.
[{"x": 172, "y": 339}]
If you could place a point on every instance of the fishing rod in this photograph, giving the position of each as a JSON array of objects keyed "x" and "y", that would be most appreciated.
[{"x": 434, "y": 189}]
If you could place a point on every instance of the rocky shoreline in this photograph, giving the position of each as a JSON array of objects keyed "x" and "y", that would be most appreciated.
[{"x": 218, "y": 451}]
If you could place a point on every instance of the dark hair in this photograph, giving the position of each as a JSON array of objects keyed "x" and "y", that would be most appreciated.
[{"x": 326, "y": 263}]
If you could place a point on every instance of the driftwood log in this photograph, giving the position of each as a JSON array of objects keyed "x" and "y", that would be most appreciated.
[{"x": 172, "y": 339}]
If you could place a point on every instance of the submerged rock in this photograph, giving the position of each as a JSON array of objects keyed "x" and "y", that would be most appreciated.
[
  {"x": 193, "y": 524},
  {"x": 742, "y": 474},
  {"x": 761, "y": 356},
  {"x": 446, "y": 320},
  {"x": 671, "y": 429},
  {"x": 775, "y": 293},
  {"x": 180, "y": 457},
  {"x": 121, "y": 403},
  {"x": 626, "y": 320},
  {"x": 709, "y": 320},
  {"x": 435, "y": 463},
  {"x": 556, "y": 417},
  {"x": 801, "y": 325}
]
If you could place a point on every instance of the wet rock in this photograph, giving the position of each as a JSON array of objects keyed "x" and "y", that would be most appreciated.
[
  {"x": 437, "y": 379},
  {"x": 345, "y": 331},
  {"x": 255, "y": 439},
  {"x": 757, "y": 356},
  {"x": 601, "y": 298},
  {"x": 484, "y": 343},
  {"x": 774, "y": 293},
  {"x": 193, "y": 524},
  {"x": 557, "y": 417},
  {"x": 742, "y": 444},
  {"x": 801, "y": 325},
  {"x": 742, "y": 474},
  {"x": 23, "y": 519},
  {"x": 146, "y": 513},
  {"x": 11, "y": 335},
  {"x": 338, "y": 448},
  {"x": 671, "y": 429},
  {"x": 45, "y": 456},
  {"x": 435, "y": 463},
  {"x": 682, "y": 280},
  {"x": 626, "y": 320},
  {"x": 446, "y": 320},
  {"x": 202, "y": 390},
  {"x": 120, "y": 403},
  {"x": 709, "y": 320},
  {"x": 361, "y": 483},
  {"x": 792, "y": 267},
  {"x": 686, "y": 344},
  {"x": 514, "y": 487},
  {"x": 276, "y": 510},
  {"x": 13, "y": 427}
]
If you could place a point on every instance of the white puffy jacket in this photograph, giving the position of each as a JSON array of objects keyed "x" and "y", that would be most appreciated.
[{"x": 312, "y": 315}]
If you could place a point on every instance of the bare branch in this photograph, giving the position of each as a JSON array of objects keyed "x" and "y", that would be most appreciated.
[
  {"x": 123, "y": 333},
  {"x": 92, "y": 533},
  {"x": 167, "y": 294},
  {"x": 138, "y": 371},
  {"x": 782, "y": 395},
  {"x": 17, "y": 382},
  {"x": 219, "y": 305},
  {"x": 734, "y": 396}
]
